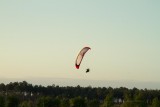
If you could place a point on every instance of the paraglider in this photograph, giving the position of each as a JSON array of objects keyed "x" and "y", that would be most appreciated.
[{"x": 80, "y": 56}]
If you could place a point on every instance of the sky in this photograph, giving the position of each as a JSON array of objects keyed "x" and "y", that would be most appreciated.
[{"x": 41, "y": 39}]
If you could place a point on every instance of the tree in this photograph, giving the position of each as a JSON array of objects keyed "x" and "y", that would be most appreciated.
[
  {"x": 2, "y": 101},
  {"x": 26, "y": 104},
  {"x": 2, "y": 87},
  {"x": 48, "y": 102},
  {"x": 65, "y": 103},
  {"x": 93, "y": 103},
  {"x": 108, "y": 101},
  {"x": 155, "y": 102},
  {"x": 12, "y": 101},
  {"x": 77, "y": 102},
  {"x": 140, "y": 99},
  {"x": 44, "y": 102},
  {"x": 56, "y": 102},
  {"x": 128, "y": 104}
]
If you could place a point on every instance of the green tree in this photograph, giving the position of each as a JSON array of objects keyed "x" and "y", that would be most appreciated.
[
  {"x": 93, "y": 103},
  {"x": 77, "y": 102},
  {"x": 65, "y": 103},
  {"x": 155, "y": 102},
  {"x": 44, "y": 102},
  {"x": 26, "y": 104},
  {"x": 2, "y": 101},
  {"x": 108, "y": 101},
  {"x": 56, "y": 102},
  {"x": 48, "y": 102},
  {"x": 140, "y": 99},
  {"x": 12, "y": 101},
  {"x": 128, "y": 104},
  {"x": 2, "y": 87}
]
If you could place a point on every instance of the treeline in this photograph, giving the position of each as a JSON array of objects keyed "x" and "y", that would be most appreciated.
[{"x": 23, "y": 94}]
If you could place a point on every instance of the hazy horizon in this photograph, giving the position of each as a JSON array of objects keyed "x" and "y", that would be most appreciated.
[{"x": 41, "y": 39}]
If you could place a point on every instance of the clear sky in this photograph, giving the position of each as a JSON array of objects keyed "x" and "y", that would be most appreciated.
[{"x": 41, "y": 38}]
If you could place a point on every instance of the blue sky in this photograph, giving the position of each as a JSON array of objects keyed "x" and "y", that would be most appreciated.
[{"x": 42, "y": 39}]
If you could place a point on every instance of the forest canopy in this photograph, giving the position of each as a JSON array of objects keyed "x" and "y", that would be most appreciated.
[{"x": 23, "y": 94}]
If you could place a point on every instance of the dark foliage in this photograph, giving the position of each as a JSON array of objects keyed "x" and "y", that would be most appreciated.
[{"x": 23, "y": 94}]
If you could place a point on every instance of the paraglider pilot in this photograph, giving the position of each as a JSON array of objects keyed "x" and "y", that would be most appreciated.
[{"x": 87, "y": 70}]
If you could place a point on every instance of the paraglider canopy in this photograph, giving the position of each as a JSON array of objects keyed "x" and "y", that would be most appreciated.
[{"x": 80, "y": 56}]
